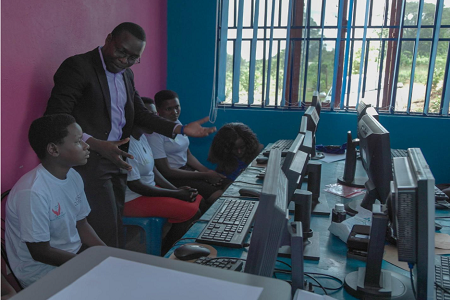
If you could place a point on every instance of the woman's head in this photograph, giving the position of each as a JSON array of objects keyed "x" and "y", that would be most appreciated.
[
  {"x": 168, "y": 105},
  {"x": 233, "y": 141}
]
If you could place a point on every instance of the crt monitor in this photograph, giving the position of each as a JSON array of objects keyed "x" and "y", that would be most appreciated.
[
  {"x": 272, "y": 228},
  {"x": 373, "y": 112},
  {"x": 375, "y": 150}
]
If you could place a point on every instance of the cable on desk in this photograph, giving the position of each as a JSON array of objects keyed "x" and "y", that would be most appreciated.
[
  {"x": 285, "y": 263},
  {"x": 411, "y": 266},
  {"x": 444, "y": 217},
  {"x": 320, "y": 285}
]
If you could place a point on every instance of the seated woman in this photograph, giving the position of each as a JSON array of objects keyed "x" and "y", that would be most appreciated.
[
  {"x": 173, "y": 158},
  {"x": 234, "y": 146},
  {"x": 149, "y": 194}
]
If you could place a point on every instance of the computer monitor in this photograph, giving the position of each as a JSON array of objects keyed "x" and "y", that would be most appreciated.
[
  {"x": 375, "y": 151},
  {"x": 316, "y": 102},
  {"x": 295, "y": 146},
  {"x": 271, "y": 227},
  {"x": 303, "y": 125},
  {"x": 411, "y": 211},
  {"x": 361, "y": 109},
  {"x": 373, "y": 112},
  {"x": 413, "y": 215},
  {"x": 313, "y": 119}
]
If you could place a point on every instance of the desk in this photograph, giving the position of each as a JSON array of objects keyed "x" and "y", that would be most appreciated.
[
  {"x": 63, "y": 276},
  {"x": 333, "y": 252}
]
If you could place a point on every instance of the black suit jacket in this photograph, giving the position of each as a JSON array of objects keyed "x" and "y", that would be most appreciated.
[{"x": 81, "y": 89}]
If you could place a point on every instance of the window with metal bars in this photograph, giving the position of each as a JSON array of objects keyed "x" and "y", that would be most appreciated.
[{"x": 276, "y": 53}]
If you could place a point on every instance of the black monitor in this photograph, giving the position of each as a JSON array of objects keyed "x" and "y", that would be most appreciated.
[
  {"x": 375, "y": 151},
  {"x": 316, "y": 102},
  {"x": 413, "y": 215},
  {"x": 272, "y": 228},
  {"x": 295, "y": 146},
  {"x": 361, "y": 109},
  {"x": 411, "y": 211}
]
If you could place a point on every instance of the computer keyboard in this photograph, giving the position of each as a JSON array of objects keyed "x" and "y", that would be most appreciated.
[
  {"x": 441, "y": 199},
  {"x": 232, "y": 264},
  {"x": 230, "y": 224},
  {"x": 283, "y": 145},
  {"x": 442, "y": 278}
]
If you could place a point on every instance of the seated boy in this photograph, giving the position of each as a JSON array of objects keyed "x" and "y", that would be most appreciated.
[{"x": 47, "y": 208}]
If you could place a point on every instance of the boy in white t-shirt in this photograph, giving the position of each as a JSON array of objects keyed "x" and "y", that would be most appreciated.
[{"x": 47, "y": 208}]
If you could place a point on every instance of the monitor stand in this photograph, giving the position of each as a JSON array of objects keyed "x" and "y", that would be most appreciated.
[
  {"x": 371, "y": 281},
  {"x": 316, "y": 155},
  {"x": 311, "y": 243},
  {"x": 369, "y": 199},
  {"x": 349, "y": 179},
  {"x": 314, "y": 178}
]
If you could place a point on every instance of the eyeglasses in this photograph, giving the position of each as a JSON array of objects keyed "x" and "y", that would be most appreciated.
[{"x": 122, "y": 53}]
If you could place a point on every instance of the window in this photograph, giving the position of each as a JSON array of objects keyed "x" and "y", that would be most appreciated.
[{"x": 277, "y": 53}]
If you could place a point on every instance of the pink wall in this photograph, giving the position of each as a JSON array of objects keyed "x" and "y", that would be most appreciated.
[{"x": 36, "y": 36}]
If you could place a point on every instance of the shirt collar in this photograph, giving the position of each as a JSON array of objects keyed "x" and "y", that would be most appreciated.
[{"x": 103, "y": 63}]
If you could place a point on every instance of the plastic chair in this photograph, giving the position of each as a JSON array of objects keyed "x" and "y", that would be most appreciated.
[{"x": 152, "y": 227}]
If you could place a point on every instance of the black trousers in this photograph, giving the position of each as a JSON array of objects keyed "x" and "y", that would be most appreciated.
[{"x": 104, "y": 185}]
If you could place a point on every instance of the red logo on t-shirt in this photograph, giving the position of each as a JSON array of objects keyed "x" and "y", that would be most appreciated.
[{"x": 57, "y": 212}]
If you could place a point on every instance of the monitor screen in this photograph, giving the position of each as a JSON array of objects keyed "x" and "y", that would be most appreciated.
[
  {"x": 375, "y": 149},
  {"x": 295, "y": 146},
  {"x": 413, "y": 215},
  {"x": 270, "y": 220}
]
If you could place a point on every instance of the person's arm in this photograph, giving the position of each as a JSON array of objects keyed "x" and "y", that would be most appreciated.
[
  {"x": 7, "y": 290},
  {"x": 193, "y": 162},
  {"x": 161, "y": 181},
  {"x": 195, "y": 129},
  {"x": 153, "y": 191},
  {"x": 163, "y": 166},
  {"x": 46, "y": 254},
  {"x": 87, "y": 234}
]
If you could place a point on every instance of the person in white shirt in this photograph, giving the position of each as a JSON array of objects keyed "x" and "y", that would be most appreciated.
[
  {"x": 46, "y": 209},
  {"x": 149, "y": 194},
  {"x": 173, "y": 158}
]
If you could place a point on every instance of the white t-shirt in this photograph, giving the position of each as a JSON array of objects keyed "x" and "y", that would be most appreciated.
[
  {"x": 142, "y": 164},
  {"x": 174, "y": 149},
  {"x": 42, "y": 208}
]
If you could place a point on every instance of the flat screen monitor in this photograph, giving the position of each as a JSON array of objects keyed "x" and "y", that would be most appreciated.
[
  {"x": 375, "y": 150},
  {"x": 313, "y": 119},
  {"x": 295, "y": 146},
  {"x": 303, "y": 125},
  {"x": 316, "y": 102},
  {"x": 272, "y": 228},
  {"x": 361, "y": 109},
  {"x": 413, "y": 215}
]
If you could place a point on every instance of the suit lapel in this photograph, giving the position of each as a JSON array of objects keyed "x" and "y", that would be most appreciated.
[{"x": 98, "y": 66}]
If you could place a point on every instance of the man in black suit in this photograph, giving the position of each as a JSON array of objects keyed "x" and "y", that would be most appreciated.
[{"x": 97, "y": 88}]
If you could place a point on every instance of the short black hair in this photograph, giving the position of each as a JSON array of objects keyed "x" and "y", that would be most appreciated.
[
  {"x": 48, "y": 129},
  {"x": 148, "y": 100},
  {"x": 132, "y": 28},
  {"x": 164, "y": 95}
]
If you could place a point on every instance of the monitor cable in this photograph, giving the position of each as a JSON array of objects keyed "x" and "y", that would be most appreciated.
[{"x": 411, "y": 266}]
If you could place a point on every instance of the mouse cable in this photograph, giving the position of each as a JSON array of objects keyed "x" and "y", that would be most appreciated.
[
  {"x": 284, "y": 263},
  {"x": 446, "y": 217},
  {"x": 309, "y": 274}
]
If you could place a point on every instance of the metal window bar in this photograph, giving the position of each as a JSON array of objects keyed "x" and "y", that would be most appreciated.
[
  {"x": 446, "y": 88},
  {"x": 350, "y": 61},
  {"x": 286, "y": 54},
  {"x": 269, "y": 67},
  {"x": 252, "y": 66},
  {"x": 322, "y": 24},
  {"x": 347, "y": 49},
  {"x": 434, "y": 45},
  {"x": 222, "y": 67},
  {"x": 336, "y": 53},
  {"x": 416, "y": 49},
  {"x": 238, "y": 54},
  {"x": 363, "y": 53},
  {"x": 304, "y": 58}
]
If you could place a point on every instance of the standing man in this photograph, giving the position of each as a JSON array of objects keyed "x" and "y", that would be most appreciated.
[{"x": 97, "y": 88}]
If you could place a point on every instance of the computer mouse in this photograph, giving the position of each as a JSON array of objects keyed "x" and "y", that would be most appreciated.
[
  {"x": 188, "y": 252},
  {"x": 262, "y": 160},
  {"x": 249, "y": 193}
]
